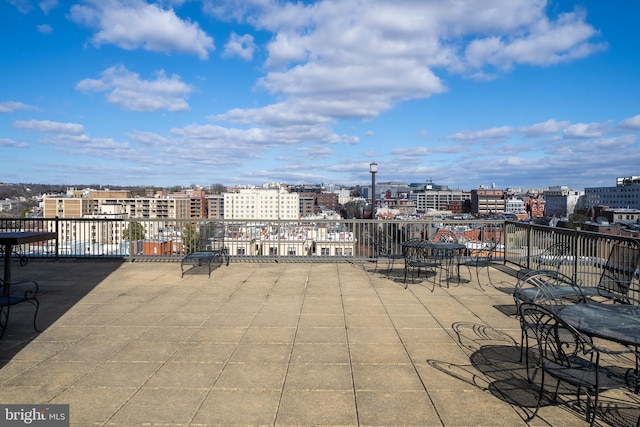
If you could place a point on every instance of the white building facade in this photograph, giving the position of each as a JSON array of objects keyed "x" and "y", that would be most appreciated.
[
  {"x": 514, "y": 206},
  {"x": 261, "y": 203}
]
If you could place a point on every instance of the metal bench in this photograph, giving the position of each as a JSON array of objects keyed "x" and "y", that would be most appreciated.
[{"x": 210, "y": 250}]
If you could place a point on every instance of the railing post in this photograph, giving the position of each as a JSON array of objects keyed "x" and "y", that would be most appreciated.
[
  {"x": 576, "y": 254},
  {"x": 57, "y": 245},
  {"x": 131, "y": 244},
  {"x": 529, "y": 230}
]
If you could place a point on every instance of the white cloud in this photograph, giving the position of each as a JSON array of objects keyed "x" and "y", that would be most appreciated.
[
  {"x": 47, "y": 5},
  {"x": 71, "y": 137},
  {"x": 47, "y": 126},
  {"x": 13, "y": 106},
  {"x": 129, "y": 91},
  {"x": 283, "y": 114},
  {"x": 45, "y": 29},
  {"x": 314, "y": 153},
  {"x": 213, "y": 136},
  {"x": 23, "y": 6},
  {"x": 240, "y": 46},
  {"x": 585, "y": 130},
  {"x": 541, "y": 43},
  {"x": 632, "y": 123},
  {"x": 545, "y": 128},
  {"x": 7, "y": 142},
  {"x": 492, "y": 133},
  {"x": 135, "y": 24},
  {"x": 358, "y": 59}
]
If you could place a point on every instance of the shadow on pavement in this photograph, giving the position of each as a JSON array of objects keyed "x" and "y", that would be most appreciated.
[
  {"x": 61, "y": 285},
  {"x": 494, "y": 366}
]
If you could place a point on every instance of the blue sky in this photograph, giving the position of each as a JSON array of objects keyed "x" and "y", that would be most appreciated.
[{"x": 517, "y": 93}]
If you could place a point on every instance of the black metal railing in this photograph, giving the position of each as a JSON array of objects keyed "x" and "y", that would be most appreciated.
[
  {"x": 585, "y": 256},
  {"x": 579, "y": 254},
  {"x": 292, "y": 240}
]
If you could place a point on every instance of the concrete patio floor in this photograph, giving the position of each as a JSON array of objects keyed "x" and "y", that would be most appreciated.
[{"x": 274, "y": 344}]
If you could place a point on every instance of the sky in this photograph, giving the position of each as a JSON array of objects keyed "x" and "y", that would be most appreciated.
[{"x": 508, "y": 93}]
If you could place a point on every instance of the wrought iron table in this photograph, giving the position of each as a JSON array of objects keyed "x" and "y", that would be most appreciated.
[
  {"x": 618, "y": 323},
  {"x": 439, "y": 252},
  {"x": 10, "y": 239}
]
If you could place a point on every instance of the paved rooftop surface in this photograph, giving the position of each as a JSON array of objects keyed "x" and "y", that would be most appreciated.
[{"x": 274, "y": 344}]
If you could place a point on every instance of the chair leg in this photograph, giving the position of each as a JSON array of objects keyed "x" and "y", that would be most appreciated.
[
  {"x": 478, "y": 278},
  {"x": 524, "y": 348},
  {"x": 4, "y": 318},
  {"x": 592, "y": 412},
  {"x": 535, "y": 412},
  {"x": 390, "y": 265},
  {"x": 36, "y": 303},
  {"x": 489, "y": 276}
]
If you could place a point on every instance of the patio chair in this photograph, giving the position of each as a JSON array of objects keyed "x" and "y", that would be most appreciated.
[
  {"x": 386, "y": 248},
  {"x": 478, "y": 257},
  {"x": 571, "y": 357},
  {"x": 545, "y": 288},
  {"x": 17, "y": 293},
  {"x": 211, "y": 250},
  {"x": 554, "y": 256},
  {"x": 618, "y": 281},
  {"x": 421, "y": 256}
]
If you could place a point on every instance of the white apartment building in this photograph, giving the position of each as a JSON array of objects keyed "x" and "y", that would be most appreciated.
[
  {"x": 514, "y": 206},
  {"x": 290, "y": 241},
  {"x": 261, "y": 203},
  {"x": 344, "y": 196}
]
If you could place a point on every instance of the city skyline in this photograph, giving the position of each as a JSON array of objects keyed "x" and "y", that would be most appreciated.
[{"x": 517, "y": 93}]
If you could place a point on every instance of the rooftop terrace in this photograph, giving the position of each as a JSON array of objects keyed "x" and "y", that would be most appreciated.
[{"x": 273, "y": 344}]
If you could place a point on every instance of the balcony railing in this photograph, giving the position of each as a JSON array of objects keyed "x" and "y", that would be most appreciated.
[
  {"x": 259, "y": 240},
  {"x": 584, "y": 256},
  {"x": 521, "y": 245}
]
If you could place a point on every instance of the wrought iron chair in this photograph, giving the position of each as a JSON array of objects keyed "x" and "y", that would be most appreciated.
[
  {"x": 571, "y": 357},
  {"x": 386, "y": 248},
  {"x": 554, "y": 256},
  {"x": 421, "y": 255},
  {"x": 17, "y": 293},
  {"x": 211, "y": 249},
  {"x": 545, "y": 288},
  {"x": 478, "y": 257},
  {"x": 619, "y": 280}
]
